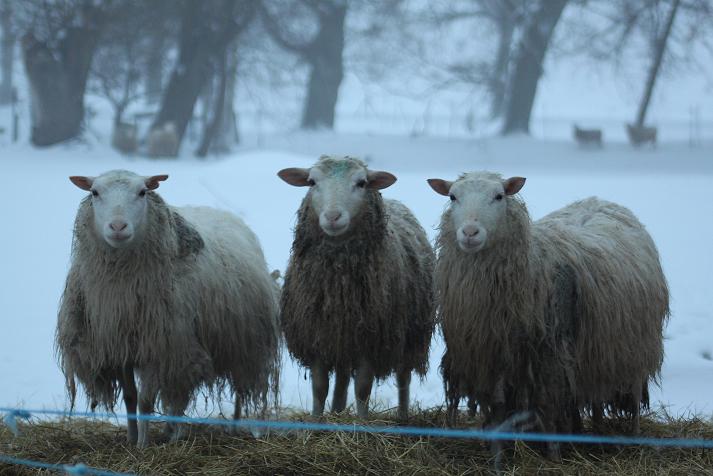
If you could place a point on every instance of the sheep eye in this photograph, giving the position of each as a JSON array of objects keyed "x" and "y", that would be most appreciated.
[
  {"x": 95, "y": 193},
  {"x": 453, "y": 197},
  {"x": 310, "y": 182},
  {"x": 361, "y": 183},
  {"x": 499, "y": 196},
  {"x": 142, "y": 193}
]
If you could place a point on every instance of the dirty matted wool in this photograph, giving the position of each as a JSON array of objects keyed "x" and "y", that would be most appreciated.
[{"x": 367, "y": 295}]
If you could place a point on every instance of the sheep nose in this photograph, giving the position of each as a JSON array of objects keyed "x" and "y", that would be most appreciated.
[
  {"x": 470, "y": 230},
  {"x": 332, "y": 215},
  {"x": 118, "y": 225}
]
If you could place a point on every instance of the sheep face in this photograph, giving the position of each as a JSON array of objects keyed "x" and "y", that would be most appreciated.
[
  {"x": 119, "y": 204},
  {"x": 478, "y": 206},
  {"x": 338, "y": 187}
]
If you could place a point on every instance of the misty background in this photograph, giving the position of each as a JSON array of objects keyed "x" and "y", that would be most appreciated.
[
  {"x": 612, "y": 98},
  {"x": 217, "y": 74}
]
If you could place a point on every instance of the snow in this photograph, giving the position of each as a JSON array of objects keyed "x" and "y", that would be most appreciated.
[{"x": 668, "y": 188}]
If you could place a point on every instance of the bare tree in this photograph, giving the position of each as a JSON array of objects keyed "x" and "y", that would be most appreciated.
[
  {"x": 659, "y": 48},
  {"x": 506, "y": 17},
  {"x": 666, "y": 31},
  {"x": 528, "y": 64},
  {"x": 57, "y": 51},
  {"x": 207, "y": 28},
  {"x": 323, "y": 53},
  {"x": 220, "y": 131},
  {"x": 7, "y": 51},
  {"x": 123, "y": 47},
  {"x": 162, "y": 19}
]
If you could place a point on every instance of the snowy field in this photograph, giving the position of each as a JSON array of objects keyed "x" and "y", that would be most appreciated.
[{"x": 669, "y": 189}]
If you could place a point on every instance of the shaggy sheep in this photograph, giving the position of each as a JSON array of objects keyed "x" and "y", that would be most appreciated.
[
  {"x": 552, "y": 316},
  {"x": 357, "y": 297},
  {"x": 181, "y": 297}
]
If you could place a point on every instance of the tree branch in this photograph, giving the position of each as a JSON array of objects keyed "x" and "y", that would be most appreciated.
[{"x": 276, "y": 33}]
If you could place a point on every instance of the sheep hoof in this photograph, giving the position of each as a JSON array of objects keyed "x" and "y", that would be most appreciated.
[
  {"x": 553, "y": 452},
  {"x": 245, "y": 432},
  {"x": 177, "y": 434},
  {"x": 132, "y": 437}
]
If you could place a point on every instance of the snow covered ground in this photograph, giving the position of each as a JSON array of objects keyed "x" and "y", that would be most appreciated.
[{"x": 668, "y": 188}]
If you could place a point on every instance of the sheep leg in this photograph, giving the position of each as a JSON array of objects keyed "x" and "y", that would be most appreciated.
[
  {"x": 362, "y": 388},
  {"x": 499, "y": 402},
  {"x": 452, "y": 411},
  {"x": 553, "y": 447},
  {"x": 636, "y": 397},
  {"x": 237, "y": 413},
  {"x": 176, "y": 430},
  {"x": 339, "y": 399},
  {"x": 472, "y": 407},
  {"x": 597, "y": 417},
  {"x": 403, "y": 382},
  {"x": 147, "y": 397},
  {"x": 577, "y": 426},
  {"x": 128, "y": 390},
  {"x": 320, "y": 387}
]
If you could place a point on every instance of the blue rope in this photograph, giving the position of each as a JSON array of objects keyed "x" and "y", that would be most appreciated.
[
  {"x": 486, "y": 435},
  {"x": 78, "y": 469},
  {"x": 10, "y": 420}
]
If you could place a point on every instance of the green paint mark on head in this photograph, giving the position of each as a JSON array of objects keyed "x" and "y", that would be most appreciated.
[{"x": 340, "y": 168}]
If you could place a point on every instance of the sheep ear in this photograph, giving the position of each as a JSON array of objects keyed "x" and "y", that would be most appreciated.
[
  {"x": 440, "y": 186},
  {"x": 85, "y": 183},
  {"x": 295, "y": 176},
  {"x": 378, "y": 180},
  {"x": 513, "y": 185},
  {"x": 152, "y": 182}
]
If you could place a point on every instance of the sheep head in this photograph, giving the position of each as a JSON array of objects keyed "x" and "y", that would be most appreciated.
[
  {"x": 119, "y": 204},
  {"x": 338, "y": 187},
  {"x": 479, "y": 202}
]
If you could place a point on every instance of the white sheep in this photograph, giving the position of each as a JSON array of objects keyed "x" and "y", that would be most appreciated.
[
  {"x": 357, "y": 297},
  {"x": 181, "y": 297},
  {"x": 555, "y": 316}
]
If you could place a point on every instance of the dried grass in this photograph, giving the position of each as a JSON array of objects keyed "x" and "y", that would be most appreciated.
[{"x": 210, "y": 451}]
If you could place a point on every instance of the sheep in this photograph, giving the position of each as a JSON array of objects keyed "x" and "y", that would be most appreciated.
[
  {"x": 357, "y": 297},
  {"x": 181, "y": 297},
  {"x": 163, "y": 141},
  {"x": 125, "y": 137},
  {"x": 640, "y": 135},
  {"x": 551, "y": 317},
  {"x": 586, "y": 137}
]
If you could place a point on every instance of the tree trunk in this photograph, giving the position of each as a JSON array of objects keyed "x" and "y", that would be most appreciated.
[
  {"x": 532, "y": 49},
  {"x": 506, "y": 28},
  {"x": 7, "y": 51},
  {"x": 213, "y": 125},
  {"x": 221, "y": 132},
  {"x": 660, "y": 48},
  {"x": 227, "y": 134},
  {"x": 206, "y": 31},
  {"x": 154, "y": 69},
  {"x": 325, "y": 57},
  {"x": 58, "y": 79}
]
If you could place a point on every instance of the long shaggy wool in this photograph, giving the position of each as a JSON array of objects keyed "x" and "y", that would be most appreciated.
[
  {"x": 367, "y": 295},
  {"x": 622, "y": 297},
  {"x": 191, "y": 305},
  {"x": 559, "y": 313}
]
